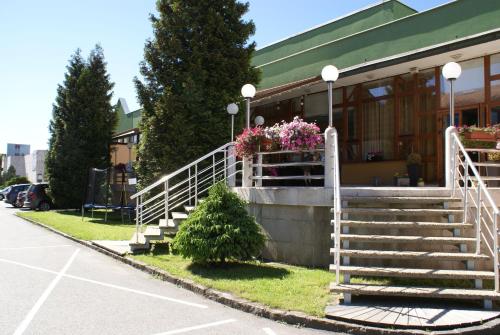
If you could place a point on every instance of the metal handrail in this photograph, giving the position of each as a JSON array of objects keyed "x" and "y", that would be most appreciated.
[
  {"x": 462, "y": 181},
  {"x": 337, "y": 202},
  {"x": 173, "y": 190}
]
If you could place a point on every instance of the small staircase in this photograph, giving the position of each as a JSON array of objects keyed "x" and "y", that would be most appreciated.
[{"x": 415, "y": 239}]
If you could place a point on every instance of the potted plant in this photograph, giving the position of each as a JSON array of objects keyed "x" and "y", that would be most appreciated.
[
  {"x": 479, "y": 133},
  {"x": 247, "y": 143},
  {"x": 299, "y": 135},
  {"x": 413, "y": 163},
  {"x": 421, "y": 182}
]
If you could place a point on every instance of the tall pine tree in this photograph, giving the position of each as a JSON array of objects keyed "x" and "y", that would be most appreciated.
[
  {"x": 81, "y": 127},
  {"x": 194, "y": 66}
]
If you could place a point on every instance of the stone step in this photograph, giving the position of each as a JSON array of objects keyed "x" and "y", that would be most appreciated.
[
  {"x": 405, "y": 224},
  {"x": 178, "y": 217},
  {"x": 413, "y": 273},
  {"x": 414, "y": 291},
  {"x": 416, "y": 255},
  {"x": 396, "y": 200},
  {"x": 153, "y": 233},
  {"x": 402, "y": 211},
  {"x": 189, "y": 209},
  {"x": 167, "y": 224},
  {"x": 404, "y": 239},
  {"x": 138, "y": 242}
]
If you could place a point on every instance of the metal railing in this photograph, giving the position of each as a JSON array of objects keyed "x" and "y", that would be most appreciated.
[
  {"x": 185, "y": 186},
  {"x": 479, "y": 207},
  {"x": 304, "y": 160},
  {"x": 337, "y": 209}
]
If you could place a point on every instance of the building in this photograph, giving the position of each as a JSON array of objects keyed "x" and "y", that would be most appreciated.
[
  {"x": 390, "y": 98},
  {"x": 27, "y": 164},
  {"x": 126, "y": 135}
]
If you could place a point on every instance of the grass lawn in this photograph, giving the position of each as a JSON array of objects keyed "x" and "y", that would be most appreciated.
[{"x": 70, "y": 222}]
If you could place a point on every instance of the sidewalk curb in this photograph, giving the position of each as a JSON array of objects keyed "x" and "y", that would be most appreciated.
[{"x": 290, "y": 317}]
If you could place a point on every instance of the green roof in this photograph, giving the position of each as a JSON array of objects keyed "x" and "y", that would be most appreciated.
[
  {"x": 126, "y": 120},
  {"x": 303, "y": 56}
]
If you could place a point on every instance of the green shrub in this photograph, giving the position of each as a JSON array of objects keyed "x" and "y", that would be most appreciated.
[
  {"x": 219, "y": 229},
  {"x": 18, "y": 180}
]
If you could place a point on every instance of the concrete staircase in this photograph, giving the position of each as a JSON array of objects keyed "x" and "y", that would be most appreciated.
[
  {"x": 415, "y": 239},
  {"x": 158, "y": 232}
]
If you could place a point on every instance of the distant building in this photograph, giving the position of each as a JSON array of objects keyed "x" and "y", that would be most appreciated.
[
  {"x": 18, "y": 149},
  {"x": 126, "y": 135}
]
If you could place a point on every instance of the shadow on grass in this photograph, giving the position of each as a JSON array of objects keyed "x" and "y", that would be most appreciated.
[
  {"x": 227, "y": 271},
  {"x": 113, "y": 217}
]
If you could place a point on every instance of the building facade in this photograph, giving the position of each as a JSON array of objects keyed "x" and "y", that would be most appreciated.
[{"x": 390, "y": 99}]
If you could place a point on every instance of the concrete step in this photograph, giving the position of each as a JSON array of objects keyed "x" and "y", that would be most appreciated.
[
  {"x": 404, "y": 239},
  {"x": 415, "y": 255},
  {"x": 405, "y": 224},
  {"x": 418, "y": 292},
  {"x": 402, "y": 211},
  {"x": 153, "y": 233},
  {"x": 189, "y": 209},
  {"x": 168, "y": 227},
  {"x": 178, "y": 217},
  {"x": 138, "y": 242},
  {"x": 413, "y": 273},
  {"x": 397, "y": 200}
]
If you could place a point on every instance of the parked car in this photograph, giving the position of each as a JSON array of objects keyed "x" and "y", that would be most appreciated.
[
  {"x": 37, "y": 197},
  {"x": 21, "y": 198},
  {"x": 3, "y": 192},
  {"x": 11, "y": 195}
]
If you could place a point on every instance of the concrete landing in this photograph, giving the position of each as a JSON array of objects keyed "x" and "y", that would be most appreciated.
[
  {"x": 118, "y": 247},
  {"x": 410, "y": 314}
]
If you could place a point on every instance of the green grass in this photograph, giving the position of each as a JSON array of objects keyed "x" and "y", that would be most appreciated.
[{"x": 70, "y": 222}]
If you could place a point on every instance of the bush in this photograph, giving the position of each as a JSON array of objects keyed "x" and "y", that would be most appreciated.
[
  {"x": 219, "y": 229},
  {"x": 18, "y": 180}
]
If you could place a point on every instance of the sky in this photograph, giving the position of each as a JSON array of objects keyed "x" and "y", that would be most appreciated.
[{"x": 37, "y": 39}]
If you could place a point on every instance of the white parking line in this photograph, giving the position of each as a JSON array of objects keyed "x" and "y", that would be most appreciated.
[
  {"x": 2, "y": 260},
  {"x": 206, "y": 325},
  {"x": 25, "y": 323},
  {"x": 268, "y": 331},
  {"x": 37, "y": 247}
]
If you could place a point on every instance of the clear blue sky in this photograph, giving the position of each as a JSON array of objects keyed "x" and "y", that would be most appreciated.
[{"x": 38, "y": 37}]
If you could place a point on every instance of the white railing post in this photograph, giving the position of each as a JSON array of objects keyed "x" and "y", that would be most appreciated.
[
  {"x": 166, "y": 201},
  {"x": 478, "y": 220},
  {"x": 196, "y": 185},
  {"x": 231, "y": 170},
  {"x": 213, "y": 168},
  {"x": 449, "y": 157},
  {"x": 137, "y": 209},
  {"x": 225, "y": 165},
  {"x": 466, "y": 189},
  {"x": 495, "y": 249},
  {"x": 247, "y": 172},
  {"x": 189, "y": 186},
  {"x": 259, "y": 169},
  {"x": 329, "y": 158}
]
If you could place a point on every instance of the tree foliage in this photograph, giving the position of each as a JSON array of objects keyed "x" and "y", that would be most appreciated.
[
  {"x": 7, "y": 175},
  {"x": 193, "y": 67},
  {"x": 219, "y": 229},
  {"x": 82, "y": 124}
]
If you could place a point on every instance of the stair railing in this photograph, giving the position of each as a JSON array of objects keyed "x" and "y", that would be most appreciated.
[
  {"x": 185, "y": 186},
  {"x": 479, "y": 206},
  {"x": 337, "y": 210}
]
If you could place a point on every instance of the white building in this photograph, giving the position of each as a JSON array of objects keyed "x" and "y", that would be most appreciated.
[{"x": 29, "y": 165}]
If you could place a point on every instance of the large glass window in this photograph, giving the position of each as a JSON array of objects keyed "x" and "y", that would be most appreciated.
[
  {"x": 495, "y": 64},
  {"x": 495, "y": 90},
  {"x": 495, "y": 115},
  {"x": 406, "y": 112},
  {"x": 427, "y": 79},
  {"x": 469, "y": 87},
  {"x": 378, "y": 129},
  {"x": 378, "y": 89}
]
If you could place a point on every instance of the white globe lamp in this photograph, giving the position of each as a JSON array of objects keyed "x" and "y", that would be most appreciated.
[{"x": 330, "y": 74}]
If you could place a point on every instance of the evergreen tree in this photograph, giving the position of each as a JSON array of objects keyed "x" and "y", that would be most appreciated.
[
  {"x": 194, "y": 66},
  {"x": 81, "y": 128}
]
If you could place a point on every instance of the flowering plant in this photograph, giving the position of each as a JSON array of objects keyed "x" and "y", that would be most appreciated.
[
  {"x": 488, "y": 129},
  {"x": 298, "y": 135},
  {"x": 248, "y": 142}
]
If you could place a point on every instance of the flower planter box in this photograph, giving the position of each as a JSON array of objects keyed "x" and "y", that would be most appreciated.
[{"x": 480, "y": 135}]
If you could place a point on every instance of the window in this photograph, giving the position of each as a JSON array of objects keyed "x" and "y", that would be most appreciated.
[
  {"x": 495, "y": 90},
  {"x": 495, "y": 64},
  {"x": 495, "y": 115},
  {"x": 378, "y": 128},
  {"x": 427, "y": 79},
  {"x": 377, "y": 89},
  {"x": 406, "y": 112},
  {"x": 469, "y": 87}
]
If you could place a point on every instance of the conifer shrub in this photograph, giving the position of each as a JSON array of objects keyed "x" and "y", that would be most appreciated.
[{"x": 219, "y": 230}]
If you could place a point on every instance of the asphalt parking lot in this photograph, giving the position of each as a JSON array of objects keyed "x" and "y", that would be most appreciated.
[{"x": 51, "y": 285}]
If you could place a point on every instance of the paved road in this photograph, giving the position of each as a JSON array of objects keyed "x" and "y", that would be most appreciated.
[{"x": 51, "y": 285}]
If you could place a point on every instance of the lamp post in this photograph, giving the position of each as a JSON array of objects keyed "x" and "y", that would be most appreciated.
[
  {"x": 451, "y": 72},
  {"x": 248, "y": 92},
  {"x": 330, "y": 74},
  {"x": 232, "y": 110}
]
